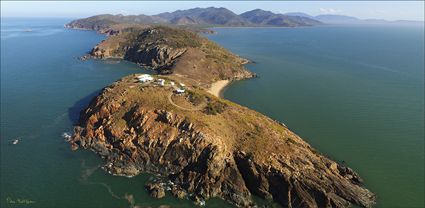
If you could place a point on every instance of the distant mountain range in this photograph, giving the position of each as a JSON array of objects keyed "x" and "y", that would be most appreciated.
[
  {"x": 261, "y": 17},
  {"x": 213, "y": 17},
  {"x": 343, "y": 19}
]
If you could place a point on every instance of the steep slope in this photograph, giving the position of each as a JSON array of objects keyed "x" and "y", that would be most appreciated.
[
  {"x": 257, "y": 16},
  {"x": 170, "y": 50},
  {"x": 185, "y": 20},
  {"x": 101, "y": 22},
  {"x": 267, "y": 18},
  {"x": 215, "y": 148},
  {"x": 299, "y": 14},
  {"x": 207, "y": 16},
  {"x": 200, "y": 17}
]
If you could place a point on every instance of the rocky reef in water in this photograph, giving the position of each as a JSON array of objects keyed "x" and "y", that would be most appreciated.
[{"x": 211, "y": 147}]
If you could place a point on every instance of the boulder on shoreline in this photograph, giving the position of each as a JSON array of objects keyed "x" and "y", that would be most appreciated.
[{"x": 156, "y": 190}]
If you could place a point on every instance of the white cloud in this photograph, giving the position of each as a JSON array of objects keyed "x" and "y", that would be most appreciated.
[{"x": 330, "y": 11}]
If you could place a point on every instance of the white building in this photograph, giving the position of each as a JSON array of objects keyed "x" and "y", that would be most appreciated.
[
  {"x": 180, "y": 91},
  {"x": 145, "y": 78},
  {"x": 161, "y": 82}
]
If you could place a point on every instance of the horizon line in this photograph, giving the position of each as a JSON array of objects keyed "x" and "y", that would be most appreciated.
[{"x": 134, "y": 14}]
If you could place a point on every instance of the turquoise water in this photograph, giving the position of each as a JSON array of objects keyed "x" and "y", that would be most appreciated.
[
  {"x": 355, "y": 94},
  {"x": 43, "y": 88}
]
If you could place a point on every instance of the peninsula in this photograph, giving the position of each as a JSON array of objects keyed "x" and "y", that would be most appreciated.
[
  {"x": 200, "y": 145},
  {"x": 191, "y": 59}
]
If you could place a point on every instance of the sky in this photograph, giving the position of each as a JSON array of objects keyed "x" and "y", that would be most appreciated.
[{"x": 389, "y": 10}]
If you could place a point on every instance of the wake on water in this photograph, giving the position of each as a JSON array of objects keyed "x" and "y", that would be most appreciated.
[{"x": 88, "y": 171}]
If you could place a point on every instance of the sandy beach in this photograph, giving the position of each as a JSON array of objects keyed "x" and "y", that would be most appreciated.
[{"x": 217, "y": 87}]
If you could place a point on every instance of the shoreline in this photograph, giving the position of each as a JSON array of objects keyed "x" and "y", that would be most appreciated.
[{"x": 217, "y": 88}]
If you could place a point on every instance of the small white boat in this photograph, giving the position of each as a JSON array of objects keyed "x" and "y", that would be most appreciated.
[{"x": 15, "y": 141}]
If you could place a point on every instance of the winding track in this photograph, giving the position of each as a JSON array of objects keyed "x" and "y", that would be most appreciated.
[{"x": 183, "y": 108}]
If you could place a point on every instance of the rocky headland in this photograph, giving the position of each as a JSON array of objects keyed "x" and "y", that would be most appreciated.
[
  {"x": 203, "y": 145},
  {"x": 196, "y": 60}
]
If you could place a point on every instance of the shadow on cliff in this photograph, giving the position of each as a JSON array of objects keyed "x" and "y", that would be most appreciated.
[{"x": 74, "y": 111}]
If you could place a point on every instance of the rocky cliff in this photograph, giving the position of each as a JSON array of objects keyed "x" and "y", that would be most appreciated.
[
  {"x": 209, "y": 147},
  {"x": 170, "y": 50}
]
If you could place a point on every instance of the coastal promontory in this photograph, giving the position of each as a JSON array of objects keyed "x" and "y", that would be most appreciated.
[
  {"x": 201, "y": 145},
  {"x": 167, "y": 50}
]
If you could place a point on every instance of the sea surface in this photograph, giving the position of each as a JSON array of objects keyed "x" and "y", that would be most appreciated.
[{"x": 354, "y": 93}]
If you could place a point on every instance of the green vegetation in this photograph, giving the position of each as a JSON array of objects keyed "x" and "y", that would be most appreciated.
[
  {"x": 195, "y": 98},
  {"x": 218, "y": 55},
  {"x": 214, "y": 51},
  {"x": 215, "y": 107},
  {"x": 170, "y": 50},
  {"x": 175, "y": 38},
  {"x": 95, "y": 22}
]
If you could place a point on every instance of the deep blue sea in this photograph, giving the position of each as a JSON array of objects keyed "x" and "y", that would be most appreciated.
[{"x": 356, "y": 93}]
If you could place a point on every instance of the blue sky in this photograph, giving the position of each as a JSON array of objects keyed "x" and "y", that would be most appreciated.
[{"x": 390, "y": 10}]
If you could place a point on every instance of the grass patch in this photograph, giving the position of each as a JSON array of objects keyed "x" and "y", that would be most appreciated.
[
  {"x": 195, "y": 98},
  {"x": 175, "y": 38},
  {"x": 215, "y": 107}
]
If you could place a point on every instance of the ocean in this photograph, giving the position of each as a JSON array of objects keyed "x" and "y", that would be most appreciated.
[{"x": 355, "y": 93}]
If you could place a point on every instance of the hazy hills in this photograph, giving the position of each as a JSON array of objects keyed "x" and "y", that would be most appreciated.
[
  {"x": 261, "y": 17},
  {"x": 204, "y": 16},
  {"x": 222, "y": 17},
  {"x": 211, "y": 16},
  {"x": 343, "y": 19}
]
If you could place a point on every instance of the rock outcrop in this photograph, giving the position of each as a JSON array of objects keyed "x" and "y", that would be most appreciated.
[
  {"x": 152, "y": 56},
  {"x": 170, "y": 50},
  {"x": 215, "y": 149},
  {"x": 232, "y": 154},
  {"x": 156, "y": 190}
]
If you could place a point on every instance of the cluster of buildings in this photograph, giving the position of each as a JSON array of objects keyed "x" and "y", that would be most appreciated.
[{"x": 145, "y": 78}]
